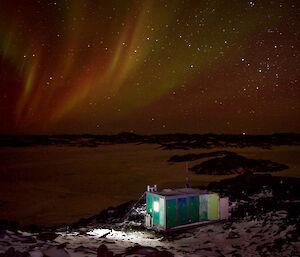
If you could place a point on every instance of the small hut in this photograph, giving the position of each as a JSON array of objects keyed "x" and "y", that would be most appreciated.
[{"x": 171, "y": 209}]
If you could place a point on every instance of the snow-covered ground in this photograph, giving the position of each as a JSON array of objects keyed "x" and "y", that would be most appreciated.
[
  {"x": 264, "y": 222},
  {"x": 266, "y": 235}
]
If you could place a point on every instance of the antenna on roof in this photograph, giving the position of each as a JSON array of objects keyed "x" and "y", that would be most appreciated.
[{"x": 187, "y": 184}]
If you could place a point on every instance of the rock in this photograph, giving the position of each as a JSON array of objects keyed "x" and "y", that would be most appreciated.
[
  {"x": 260, "y": 248},
  {"x": 12, "y": 253},
  {"x": 83, "y": 249},
  {"x": 103, "y": 251},
  {"x": 236, "y": 164},
  {"x": 148, "y": 251},
  {"x": 233, "y": 235},
  {"x": 29, "y": 240},
  {"x": 206, "y": 249},
  {"x": 56, "y": 252},
  {"x": 236, "y": 255},
  {"x": 293, "y": 235},
  {"x": 257, "y": 236},
  {"x": 3, "y": 235},
  {"x": 35, "y": 253},
  {"x": 278, "y": 243},
  {"x": 47, "y": 236},
  {"x": 227, "y": 225},
  {"x": 109, "y": 242},
  {"x": 83, "y": 230}
]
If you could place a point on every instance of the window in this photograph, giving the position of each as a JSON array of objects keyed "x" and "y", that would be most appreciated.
[{"x": 156, "y": 206}]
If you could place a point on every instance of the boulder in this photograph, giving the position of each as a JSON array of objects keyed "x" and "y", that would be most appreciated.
[
  {"x": 11, "y": 252},
  {"x": 56, "y": 252},
  {"x": 233, "y": 235},
  {"x": 35, "y": 253},
  {"x": 47, "y": 236},
  {"x": 103, "y": 251},
  {"x": 148, "y": 251}
]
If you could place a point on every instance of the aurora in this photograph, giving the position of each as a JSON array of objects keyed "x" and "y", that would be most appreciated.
[{"x": 164, "y": 66}]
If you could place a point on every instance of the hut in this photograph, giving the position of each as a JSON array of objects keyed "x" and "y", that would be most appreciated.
[{"x": 171, "y": 209}]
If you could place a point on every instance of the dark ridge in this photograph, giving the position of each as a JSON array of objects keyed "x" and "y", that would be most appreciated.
[
  {"x": 247, "y": 184},
  {"x": 236, "y": 164},
  {"x": 280, "y": 194},
  {"x": 167, "y": 141}
]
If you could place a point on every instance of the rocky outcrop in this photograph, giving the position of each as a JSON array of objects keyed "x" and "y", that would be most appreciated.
[{"x": 236, "y": 164}]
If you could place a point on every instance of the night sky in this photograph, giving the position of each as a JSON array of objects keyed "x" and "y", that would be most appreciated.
[{"x": 103, "y": 67}]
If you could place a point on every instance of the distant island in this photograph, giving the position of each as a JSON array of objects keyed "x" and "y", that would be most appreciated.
[{"x": 226, "y": 163}]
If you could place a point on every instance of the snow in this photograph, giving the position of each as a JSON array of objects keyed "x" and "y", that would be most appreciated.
[
  {"x": 258, "y": 233},
  {"x": 99, "y": 232},
  {"x": 241, "y": 237}
]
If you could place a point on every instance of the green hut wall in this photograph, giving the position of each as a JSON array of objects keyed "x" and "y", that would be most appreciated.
[
  {"x": 182, "y": 210},
  {"x": 193, "y": 209},
  {"x": 171, "y": 213},
  {"x": 149, "y": 204}
]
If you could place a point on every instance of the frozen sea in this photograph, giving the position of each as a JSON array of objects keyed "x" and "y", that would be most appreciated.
[{"x": 51, "y": 185}]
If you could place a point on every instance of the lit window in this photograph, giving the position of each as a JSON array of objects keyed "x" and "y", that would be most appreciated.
[{"x": 156, "y": 206}]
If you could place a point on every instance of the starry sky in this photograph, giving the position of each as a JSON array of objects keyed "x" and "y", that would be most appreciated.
[{"x": 149, "y": 66}]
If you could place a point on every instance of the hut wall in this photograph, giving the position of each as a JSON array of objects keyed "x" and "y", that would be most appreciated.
[
  {"x": 155, "y": 213},
  {"x": 171, "y": 213},
  {"x": 182, "y": 210},
  {"x": 213, "y": 213},
  {"x": 224, "y": 208},
  {"x": 162, "y": 215},
  {"x": 193, "y": 209},
  {"x": 149, "y": 203},
  {"x": 203, "y": 207}
]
